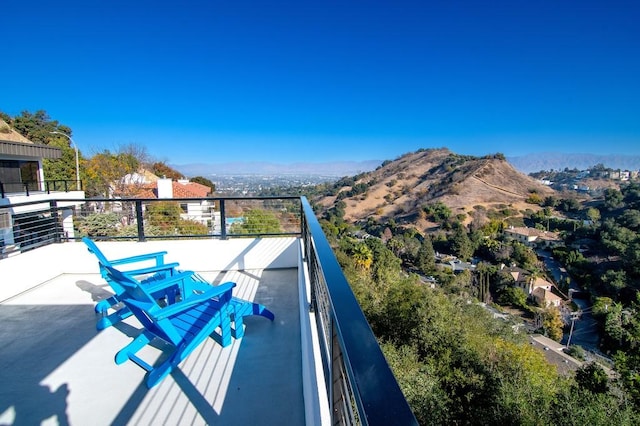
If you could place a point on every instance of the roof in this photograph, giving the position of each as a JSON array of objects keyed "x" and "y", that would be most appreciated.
[
  {"x": 13, "y": 143},
  {"x": 180, "y": 190},
  {"x": 190, "y": 190},
  {"x": 532, "y": 232},
  {"x": 546, "y": 295},
  {"x": 538, "y": 282}
]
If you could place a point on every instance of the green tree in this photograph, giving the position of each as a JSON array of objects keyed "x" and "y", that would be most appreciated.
[
  {"x": 258, "y": 221},
  {"x": 460, "y": 243},
  {"x": 552, "y": 323},
  {"x": 614, "y": 281},
  {"x": 514, "y": 296},
  {"x": 362, "y": 256},
  {"x": 38, "y": 128},
  {"x": 593, "y": 214},
  {"x": 105, "y": 171},
  {"x": 426, "y": 256},
  {"x": 204, "y": 181},
  {"x": 164, "y": 215},
  {"x": 98, "y": 225},
  {"x": 591, "y": 376},
  {"x": 613, "y": 199}
]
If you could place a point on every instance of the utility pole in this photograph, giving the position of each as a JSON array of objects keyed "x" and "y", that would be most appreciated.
[{"x": 574, "y": 317}]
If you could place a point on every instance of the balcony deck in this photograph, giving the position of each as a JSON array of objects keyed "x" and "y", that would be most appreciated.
[{"x": 57, "y": 368}]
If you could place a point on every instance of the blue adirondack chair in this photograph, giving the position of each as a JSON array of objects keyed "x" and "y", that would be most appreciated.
[
  {"x": 204, "y": 311},
  {"x": 147, "y": 275}
]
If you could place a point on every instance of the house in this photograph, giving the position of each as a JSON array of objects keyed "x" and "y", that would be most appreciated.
[
  {"x": 533, "y": 237},
  {"x": 545, "y": 297},
  {"x": 194, "y": 204},
  {"x": 536, "y": 288},
  {"x": 22, "y": 180}
]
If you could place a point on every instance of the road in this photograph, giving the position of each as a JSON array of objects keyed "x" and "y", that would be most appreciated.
[{"x": 585, "y": 329}]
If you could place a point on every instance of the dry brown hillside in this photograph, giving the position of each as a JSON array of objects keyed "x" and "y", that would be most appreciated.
[{"x": 400, "y": 188}]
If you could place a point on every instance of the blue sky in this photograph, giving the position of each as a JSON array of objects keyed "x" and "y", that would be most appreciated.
[{"x": 313, "y": 81}]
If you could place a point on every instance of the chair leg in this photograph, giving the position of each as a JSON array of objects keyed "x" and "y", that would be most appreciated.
[
  {"x": 240, "y": 308},
  {"x": 224, "y": 337},
  {"x": 128, "y": 352},
  {"x": 113, "y": 318},
  {"x": 157, "y": 374},
  {"x": 104, "y": 305}
]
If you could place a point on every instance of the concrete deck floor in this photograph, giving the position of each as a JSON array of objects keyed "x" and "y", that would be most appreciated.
[{"x": 56, "y": 368}]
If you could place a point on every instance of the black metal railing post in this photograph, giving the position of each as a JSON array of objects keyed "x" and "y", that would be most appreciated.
[
  {"x": 55, "y": 215},
  {"x": 140, "y": 221},
  {"x": 223, "y": 221}
]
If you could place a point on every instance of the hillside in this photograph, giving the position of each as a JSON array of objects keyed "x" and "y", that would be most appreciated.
[{"x": 400, "y": 188}]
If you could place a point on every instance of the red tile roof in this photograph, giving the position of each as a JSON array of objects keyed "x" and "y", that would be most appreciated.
[
  {"x": 180, "y": 190},
  {"x": 190, "y": 190}
]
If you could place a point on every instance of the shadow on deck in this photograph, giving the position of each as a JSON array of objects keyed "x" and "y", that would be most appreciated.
[{"x": 55, "y": 366}]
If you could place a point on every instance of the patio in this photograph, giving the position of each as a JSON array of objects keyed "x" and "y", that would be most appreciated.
[{"x": 56, "y": 368}]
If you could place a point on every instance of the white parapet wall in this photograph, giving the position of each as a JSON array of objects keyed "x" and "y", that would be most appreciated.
[{"x": 30, "y": 269}]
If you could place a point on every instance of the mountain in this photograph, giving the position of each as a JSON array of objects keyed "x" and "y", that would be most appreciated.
[
  {"x": 558, "y": 161},
  {"x": 336, "y": 169},
  {"x": 526, "y": 164},
  {"x": 400, "y": 188}
]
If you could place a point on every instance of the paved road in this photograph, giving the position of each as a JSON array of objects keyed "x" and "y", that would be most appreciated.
[{"x": 585, "y": 330}]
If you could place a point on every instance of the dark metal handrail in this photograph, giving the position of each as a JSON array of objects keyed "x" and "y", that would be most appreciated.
[
  {"x": 362, "y": 388},
  {"x": 49, "y": 185}
]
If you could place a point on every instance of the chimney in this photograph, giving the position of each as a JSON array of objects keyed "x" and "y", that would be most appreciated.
[{"x": 165, "y": 188}]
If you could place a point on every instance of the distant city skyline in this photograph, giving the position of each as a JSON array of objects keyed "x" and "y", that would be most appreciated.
[{"x": 288, "y": 82}]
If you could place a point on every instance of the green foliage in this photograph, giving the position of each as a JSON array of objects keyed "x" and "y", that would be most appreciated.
[
  {"x": 613, "y": 199},
  {"x": 37, "y": 127},
  {"x": 552, "y": 323},
  {"x": 576, "y": 352},
  {"x": 425, "y": 257},
  {"x": 593, "y": 378},
  {"x": 460, "y": 243},
  {"x": 164, "y": 215},
  {"x": 534, "y": 198},
  {"x": 419, "y": 383},
  {"x": 438, "y": 212},
  {"x": 258, "y": 221},
  {"x": 191, "y": 227},
  {"x": 98, "y": 225},
  {"x": 105, "y": 170},
  {"x": 601, "y": 306},
  {"x": 514, "y": 296},
  {"x": 524, "y": 255}
]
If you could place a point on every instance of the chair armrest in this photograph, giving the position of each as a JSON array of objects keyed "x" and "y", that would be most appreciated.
[
  {"x": 196, "y": 299},
  {"x": 177, "y": 279},
  {"x": 151, "y": 269},
  {"x": 158, "y": 256}
]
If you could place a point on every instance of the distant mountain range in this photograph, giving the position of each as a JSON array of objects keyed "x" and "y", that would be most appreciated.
[
  {"x": 526, "y": 164},
  {"x": 558, "y": 161},
  {"x": 335, "y": 169}
]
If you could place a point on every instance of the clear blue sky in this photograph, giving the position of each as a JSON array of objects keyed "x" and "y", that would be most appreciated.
[{"x": 322, "y": 80}]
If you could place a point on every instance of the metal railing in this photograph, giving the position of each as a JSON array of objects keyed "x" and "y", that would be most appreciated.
[
  {"x": 31, "y": 186},
  {"x": 361, "y": 387}
]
